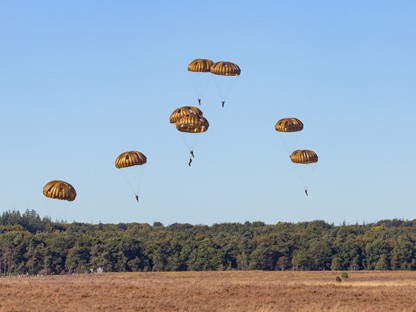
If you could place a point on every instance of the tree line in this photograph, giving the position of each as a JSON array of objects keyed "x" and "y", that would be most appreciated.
[{"x": 30, "y": 244}]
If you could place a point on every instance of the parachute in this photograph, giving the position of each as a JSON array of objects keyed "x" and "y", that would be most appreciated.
[
  {"x": 182, "y": 111},
  {"x": 57, "y": 189},
  {"x": 128, "y": 159},
  {"x": 289, "y": 125},
  {"x": 304, "y": 157},
  {"x": 225, "y": 69},
  {"x": 131, "y": 159},
  {"x": 200, "y": 65},
  {"x": 289, "y": 129},
  {"x": 189, "y": 120},
  {"x": 192, "y": 123},
  {"x": 200, "y": 80}
]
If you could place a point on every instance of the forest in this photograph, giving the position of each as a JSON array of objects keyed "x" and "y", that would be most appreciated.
[{"x": 31, "y": 245}]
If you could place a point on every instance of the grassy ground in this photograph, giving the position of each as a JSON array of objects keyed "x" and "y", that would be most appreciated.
[{"x": 212, "y": 291}]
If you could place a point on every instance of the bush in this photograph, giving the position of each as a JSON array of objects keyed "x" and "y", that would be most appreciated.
[
  {"x": 338, "y": 279},
  {"x": 344, "y": 275}
]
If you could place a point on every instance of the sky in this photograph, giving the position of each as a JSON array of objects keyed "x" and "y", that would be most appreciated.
[{"x": 83, "y": 81}]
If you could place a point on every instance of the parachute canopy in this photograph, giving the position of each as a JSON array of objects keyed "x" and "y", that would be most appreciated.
[
  {"x": 289, "y": 125},
  {"x": 192, "y": 123},
  {"x": 59, "y": 190},
  {"x": 200, "y": 65},
  {"x": 225, "y": 69},
  {"x": 128, "y": 159},
  {"x": 182, "y": 111},
  {"x": 304, "y": 157}
]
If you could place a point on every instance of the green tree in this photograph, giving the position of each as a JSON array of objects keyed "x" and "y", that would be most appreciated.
[
  {"x": 381, "y": 263},
  {"x": 402, "y": 254},
  {"x": 205, "y": 257},
  {"x": 262, "y": 258},
  {"x": 301, "y": 260},
  {"x": 77, "y": 259},
  {"x": 336, "y": 264}
]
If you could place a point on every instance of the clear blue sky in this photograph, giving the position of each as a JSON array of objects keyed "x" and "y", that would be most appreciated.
[{"x": 83, "y": 81}]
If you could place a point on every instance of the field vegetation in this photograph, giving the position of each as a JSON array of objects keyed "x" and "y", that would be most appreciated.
[{"x": 211, "y": 291}]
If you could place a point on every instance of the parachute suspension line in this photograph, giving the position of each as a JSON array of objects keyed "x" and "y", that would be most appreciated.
[
  {"x": 220, "y": 92},
  {"x": 307, "y": 177},
  {"x": 230, "y": 88},
  {"x": 134, "y": 187},
  {"x": 297, "y": 136},
  {"x": 58, "y": 211},
  {"x": 128, "y": 183},
  {"x": 283, "y": 136},
  {"x": 190, "y": 146},
  {"x": 225, "y": 92},
  {"x": 140, "y": 173},
  {"x": 285, "y": 144},
  {"x": 50, "y": 210},
  {"x": 199, "y": 88},
  {"x": 301, "y": 180}
]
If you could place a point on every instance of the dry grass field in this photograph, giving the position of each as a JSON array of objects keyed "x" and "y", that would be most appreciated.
[{"x": 211, "y": 291}]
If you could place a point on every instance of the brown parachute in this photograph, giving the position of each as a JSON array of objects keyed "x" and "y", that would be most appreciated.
[
  {"x": 182, "y": 111},
  {"x": 192, "y": 123},
  {"x": 189, "y": 119},
  {"x": 289, "y": 125},
  {"x": 304, "y": 157},
  {"x": 225, "y": 69},
  {"x": 59, "y": 190},
  {"x": 128, "y": 159},
  {"x": 200, "y": 65}
]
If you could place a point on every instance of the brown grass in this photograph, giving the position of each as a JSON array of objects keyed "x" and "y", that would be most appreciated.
[{"x": 212, "y": 291}]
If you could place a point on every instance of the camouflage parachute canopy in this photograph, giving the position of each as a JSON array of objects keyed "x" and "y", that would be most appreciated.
[
  {"x": 59, "y": 190},
  {"x": 289, "y": 125},
  {"x": 128, "y": 159},
  {"x": 200, "y": 65},
  {"x": 304, "y": 157},
  {"x": 182, "y": 111},
  {"x": 192, "y": 123},
  {"x": 225, "y": 69}
]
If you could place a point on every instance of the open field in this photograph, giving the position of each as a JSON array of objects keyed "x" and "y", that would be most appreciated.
[{"x": 212, "y": 291}]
